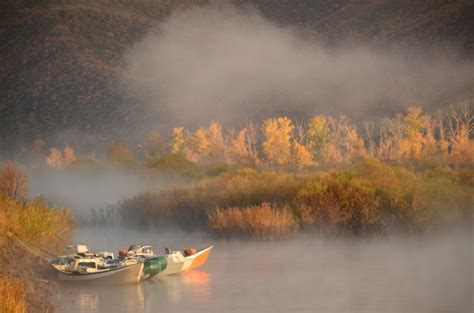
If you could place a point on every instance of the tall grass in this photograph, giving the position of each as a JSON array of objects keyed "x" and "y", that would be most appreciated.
[
  {"x": 257, "y": 222},
  {"x": 12, "y": 296},
  {"x": 36, "y": 222},
  {"x": 366, "y": 197}
]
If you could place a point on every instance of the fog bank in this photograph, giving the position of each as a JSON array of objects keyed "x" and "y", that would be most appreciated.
[{"x": 220, "y": 62}]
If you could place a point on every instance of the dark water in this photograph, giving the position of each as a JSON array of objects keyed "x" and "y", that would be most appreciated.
[{"x": 431, "y": 274}]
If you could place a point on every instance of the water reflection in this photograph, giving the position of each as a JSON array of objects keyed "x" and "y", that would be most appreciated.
[
  {"x": 398, "y": 275},
  {"x": 84, "y": 298},
  {"x": 188, "y": 286}
]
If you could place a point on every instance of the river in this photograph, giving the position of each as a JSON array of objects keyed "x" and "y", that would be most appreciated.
[{"x": 398, "y": 274}]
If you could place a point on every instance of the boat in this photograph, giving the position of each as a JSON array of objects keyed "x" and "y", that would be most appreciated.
[
  {"x": 175, "y": 262},
  {"x": 136, "y": 263},
  {"x": 85, "y": 266}
]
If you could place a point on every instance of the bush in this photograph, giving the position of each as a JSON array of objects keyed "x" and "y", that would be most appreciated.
[
  {"x": 36, "y": 222},
  {"x": 175, "y": 165},
  {"x": 367, "y": 197},
  {"x": 257, "y": 222},
  {"x": 341, "y": 200}
]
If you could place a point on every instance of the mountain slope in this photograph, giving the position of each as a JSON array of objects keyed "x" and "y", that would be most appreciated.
[{"x": 62, "y": 68}]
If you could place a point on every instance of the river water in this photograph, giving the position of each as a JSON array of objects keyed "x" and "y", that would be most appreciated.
[{"x": 399, "y": 274}]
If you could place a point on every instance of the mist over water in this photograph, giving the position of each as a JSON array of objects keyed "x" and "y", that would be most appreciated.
[
  {"x": 397, "y": 274},
  {"x": 82, "y": 191},
  {"x": 224, "y": 63}
]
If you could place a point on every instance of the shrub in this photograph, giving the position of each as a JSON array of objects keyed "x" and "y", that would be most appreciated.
[
  {"x": 175, "y": 164},
  {"x": 341, "y": 200},
  {"x": 257, "y": 222},
  {"x": 37, "y": 222},
  {"x": 13, "y": 182}
]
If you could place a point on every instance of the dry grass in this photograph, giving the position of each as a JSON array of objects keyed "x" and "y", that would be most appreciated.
[
  {"x": 257, "y": 222},
  {"x": 36, "y": 222},
  {"x": 12, "y": 296},
  {"x": 367, "y": 197}
]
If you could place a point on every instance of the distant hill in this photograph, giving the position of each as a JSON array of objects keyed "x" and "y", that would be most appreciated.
[{"x": 61, "y": 64}]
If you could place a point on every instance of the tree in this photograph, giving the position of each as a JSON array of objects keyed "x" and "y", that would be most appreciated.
[
  {"x": 68, "y": 156},
  {"x": 239, "y": 150},
  {"x": 54, "y": 159},
  {"x": 13, "y": 183},
  {"x": 277, "y": 144},
  {"x": 300, "y": 157},
  {"x": 217, "y": 146},
  {"x": 58, "y": 158},
  {"x": 118, "y": 152},
  {"x": 318, "y": 137},
  {"x": 177, "y": 140},
  {"x": 38, "y": 146},
  {"x": 155, "y": 144}
]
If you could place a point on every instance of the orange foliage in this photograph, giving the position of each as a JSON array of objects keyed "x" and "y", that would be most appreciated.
[
  {"x": 258, "y": 222},
  {"x": 12, "y": 296},
  {"x": 13, "y": 183}
]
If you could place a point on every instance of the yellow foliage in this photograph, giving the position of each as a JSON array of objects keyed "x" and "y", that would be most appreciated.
[
  {"x": 177, "y": 140},
  {"x": 462, "y": 147},
  {"x": 217, "y": 147},
  {"x": 318, "y": 137},
  {"x": 277, "y": 145},
  {"x": 300, "y": 156},
  {"x": 239, "y": 150},
  {"x": 12, "y": 296},
  {"x": 197, "y": 145}
]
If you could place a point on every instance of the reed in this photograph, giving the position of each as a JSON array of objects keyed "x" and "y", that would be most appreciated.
[
  {"x": 12, "y": 296},
  {"x": 257, "y": 222}
]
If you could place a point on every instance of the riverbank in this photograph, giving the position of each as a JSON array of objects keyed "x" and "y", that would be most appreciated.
[{"x": 28, "y": 228}]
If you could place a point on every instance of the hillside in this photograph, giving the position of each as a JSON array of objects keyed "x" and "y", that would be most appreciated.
[{"x": 62, "y": 66}]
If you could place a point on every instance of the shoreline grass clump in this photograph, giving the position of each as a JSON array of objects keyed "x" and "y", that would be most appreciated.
[
  {"x": 12, "y": 296},
  {"x": 36, "y": 224},
  {"x": 256, "y": 222}
]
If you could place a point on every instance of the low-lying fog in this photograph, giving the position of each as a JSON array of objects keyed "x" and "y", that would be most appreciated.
[{"x": 397, "y": 274}]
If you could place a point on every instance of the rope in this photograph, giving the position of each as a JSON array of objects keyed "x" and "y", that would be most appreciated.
[{"x": 41, "y": 253}]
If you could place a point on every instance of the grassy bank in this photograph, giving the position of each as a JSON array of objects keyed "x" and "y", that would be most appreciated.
[
  {"x": 24, "y": 279},
  {"x": 368, "y": 197}
]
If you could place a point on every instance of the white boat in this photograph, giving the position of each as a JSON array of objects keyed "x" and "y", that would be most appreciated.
[
  {"x": 175, "y": 262},
  {"x": 86, "y": 266}
]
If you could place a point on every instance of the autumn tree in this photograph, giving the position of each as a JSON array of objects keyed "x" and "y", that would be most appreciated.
[
  {"x": 155, "y": 145},
  {"x": 38, "y": 146},
  {"x": 277, "y": 143},
  {"x": 300, "y": 156},
  {"x": 217, "y": 147},
  {"x": 318, "y": 137},
  {"x": 54, "y": 159},
  {"x": 119, "y": 152},
  {"x": 177, "y": 140},
  {"x": 197, "y": 145},
  {"x": 13, "y": 183},
  {"x": 412, "y": 143},
  {"x": 58, "y": 158}
]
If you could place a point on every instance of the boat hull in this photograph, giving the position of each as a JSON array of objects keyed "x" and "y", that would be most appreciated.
[
  {"x": 177, "y": 264},
  {"x": 125, "y": 275}
]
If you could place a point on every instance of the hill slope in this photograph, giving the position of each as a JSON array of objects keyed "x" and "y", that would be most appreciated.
[{"x": 61, "y": 64}]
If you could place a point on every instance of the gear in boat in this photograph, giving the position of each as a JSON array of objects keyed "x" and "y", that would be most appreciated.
[{"x": 136, "y": 263}]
